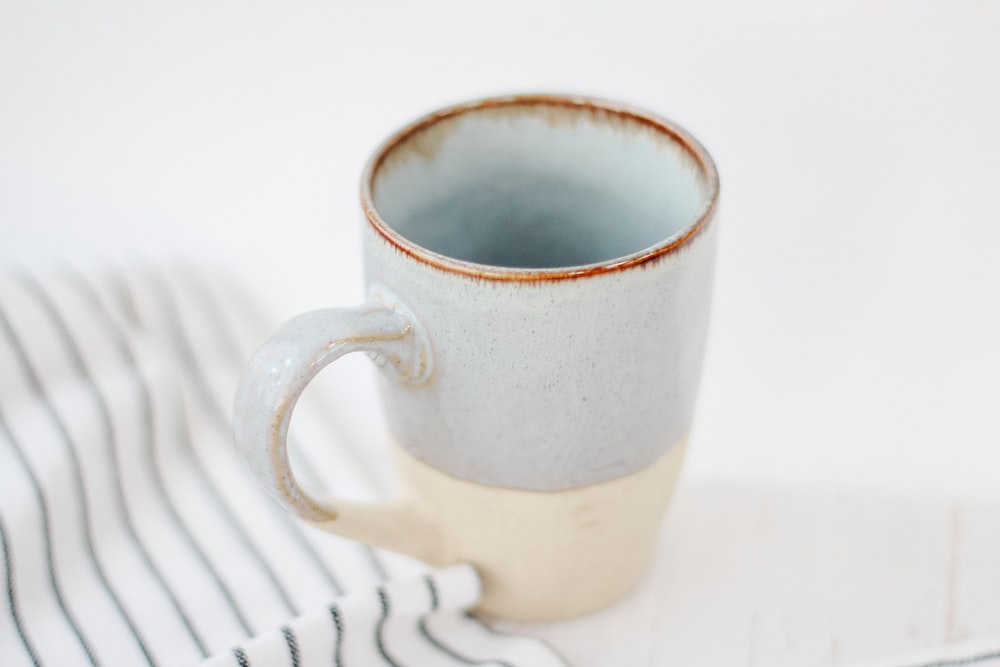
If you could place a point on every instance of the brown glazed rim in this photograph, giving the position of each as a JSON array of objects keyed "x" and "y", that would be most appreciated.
[{"x": 500, "y": 273}]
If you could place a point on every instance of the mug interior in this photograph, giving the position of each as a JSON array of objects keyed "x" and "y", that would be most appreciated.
[{"x": 540, "y": 183}]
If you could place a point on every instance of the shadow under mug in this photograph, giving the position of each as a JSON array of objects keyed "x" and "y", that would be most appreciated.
[{"x": 539, "y": 274}]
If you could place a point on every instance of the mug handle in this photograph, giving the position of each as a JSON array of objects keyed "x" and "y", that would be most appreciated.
[{"x": 275, "y": 377}]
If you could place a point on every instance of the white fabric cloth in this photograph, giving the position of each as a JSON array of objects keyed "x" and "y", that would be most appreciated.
[{"x": 131, "y": 534}]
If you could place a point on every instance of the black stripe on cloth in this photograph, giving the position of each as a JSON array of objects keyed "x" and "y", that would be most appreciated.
[
  {"x": 183, "y": 347},
  {"x": 241, "y": 657},
  {"x": 43, "y": 508},
  {"x": 338, "y": 639},
  {"x": 128, "y": 357},
  {"x": 383, "y": 599},
  {"x": 111, "y": 447},
  {"x": 8, "y": 559},
  {"x": 432, "y": 590},
  {"x": 437, "y": 643},
  {"x": 292, "y": 644},
  {"x": 960, "y": 662}
]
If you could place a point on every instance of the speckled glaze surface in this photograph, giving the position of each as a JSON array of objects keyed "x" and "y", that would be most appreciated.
[
  {"x": 539, "y": 275},
  {"x": 550, "y": 385}
]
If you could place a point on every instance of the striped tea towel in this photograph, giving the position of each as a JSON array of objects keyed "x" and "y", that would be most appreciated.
[{"x": 131, "y": 534}]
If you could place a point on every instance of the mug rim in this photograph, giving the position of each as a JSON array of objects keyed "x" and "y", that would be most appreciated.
[{"x": 671, "y": 244}]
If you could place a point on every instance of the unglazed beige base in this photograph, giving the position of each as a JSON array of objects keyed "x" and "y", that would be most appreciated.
[{"x": 542, "y": 555}]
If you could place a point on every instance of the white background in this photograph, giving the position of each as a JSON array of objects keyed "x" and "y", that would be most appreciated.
[{"x": 856, "y": 335}]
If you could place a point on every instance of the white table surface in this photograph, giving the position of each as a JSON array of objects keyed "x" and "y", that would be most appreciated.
[
  {"x": 763, "y": 574},
  {"x": 841, "y": 497}
]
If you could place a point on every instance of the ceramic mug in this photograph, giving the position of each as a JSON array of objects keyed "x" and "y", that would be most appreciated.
[{"x": 539, "y": 274}]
